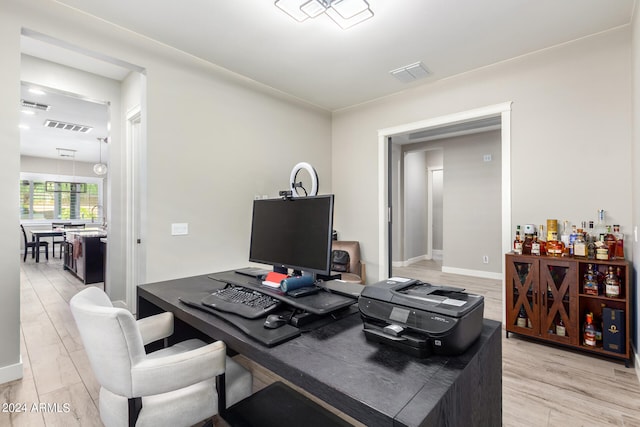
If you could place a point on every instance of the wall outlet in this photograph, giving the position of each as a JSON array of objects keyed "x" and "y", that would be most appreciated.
[
  {"x": 486, "y": 157},
  {"x": 485, "y": 259}
]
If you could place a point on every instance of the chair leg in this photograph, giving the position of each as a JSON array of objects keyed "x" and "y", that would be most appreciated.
[
  {"x": 26, "y": 251},
  {"x": 46, "y": 252},
  {"x": 135, "y": 406}
]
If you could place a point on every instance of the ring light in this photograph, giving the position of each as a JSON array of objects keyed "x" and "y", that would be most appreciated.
[{"x": 314, "y": 179}]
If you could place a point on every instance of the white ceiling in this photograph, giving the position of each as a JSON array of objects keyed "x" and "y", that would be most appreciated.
[
  {"x": 317, "y": 61},
  {"x": 40, "y": 141}
]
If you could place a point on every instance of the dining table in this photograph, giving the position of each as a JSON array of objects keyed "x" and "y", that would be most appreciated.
[{"x": 38, "y": 234}]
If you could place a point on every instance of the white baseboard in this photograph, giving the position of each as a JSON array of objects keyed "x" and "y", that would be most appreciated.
[
  {"x": 437, "y": 254},
  {"x": 11, "y": 372},
  {"x": 410, "y": 261},
  {"x": 474, "y": 273}
]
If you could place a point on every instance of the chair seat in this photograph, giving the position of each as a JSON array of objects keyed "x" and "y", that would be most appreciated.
[
  {"x": 184, "y": 407},
  {"x": 348, "y": 277},
  {"x": 238, "y": 381}
]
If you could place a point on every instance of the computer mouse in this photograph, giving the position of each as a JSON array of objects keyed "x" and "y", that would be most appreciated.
[{"x": 274, "y": 321}]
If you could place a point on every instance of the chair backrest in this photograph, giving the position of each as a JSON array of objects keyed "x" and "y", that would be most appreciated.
[
  {"x": 24, "y": 234},
  {"x": 74, "y": 226},
  {"x": 353, "y": 247},
  {"x": 111, "y": 339}
]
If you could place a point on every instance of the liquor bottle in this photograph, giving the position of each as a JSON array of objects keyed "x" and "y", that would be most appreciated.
[
  {"x": 612, "y": 284},
  {"x": 602, "y": 250},
  {"x": 590, "y": 282},
  {"x": 589, "y": 331},
  {"x": 561, "y": 330},
  {"x": 619, "y": 241},
  {"x": 564, "y": 237},
  {"x": 522, "y": 318},
  {"x": 572, "y": 238},
  {"x": 535, "y": 245},
  {"x": 517, "y": 243},
  {"x": 611, "y": 243},
  {"x": 554, "y": 246},
  {"x": 526, "y": 245},
  {"x": 542, "y": 240},
  {"x": 600, "y": 226},
  {"x": 552, "y": 226},
  {"x": 620, "y": 279},
  {"x": 580, "y": 249}
]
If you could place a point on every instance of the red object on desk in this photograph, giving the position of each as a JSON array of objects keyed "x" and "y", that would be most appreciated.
[{"x": 275, "y": 278}]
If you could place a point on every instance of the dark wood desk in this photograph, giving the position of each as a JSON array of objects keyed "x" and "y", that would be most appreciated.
[{"x": 377, "y": 385}]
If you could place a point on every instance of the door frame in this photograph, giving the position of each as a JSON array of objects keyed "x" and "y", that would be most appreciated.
[
  {"x": 430, "y": 171},
  {"x": 385, "y": 135}
]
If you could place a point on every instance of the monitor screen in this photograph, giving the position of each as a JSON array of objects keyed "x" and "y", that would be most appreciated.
[{"x": 293, "y": 233}]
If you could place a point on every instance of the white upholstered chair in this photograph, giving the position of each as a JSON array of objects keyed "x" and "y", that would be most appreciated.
[{"x": 176, "y": 386}]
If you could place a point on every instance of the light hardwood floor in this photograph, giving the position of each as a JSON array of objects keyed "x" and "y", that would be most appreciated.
[{"x": 542, "y": 385}]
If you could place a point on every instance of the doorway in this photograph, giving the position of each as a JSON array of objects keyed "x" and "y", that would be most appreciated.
[
  {"x": 74, "y": 69},
  {"x": 466, "y": 122},
  {"x": 435, "y": 232}
]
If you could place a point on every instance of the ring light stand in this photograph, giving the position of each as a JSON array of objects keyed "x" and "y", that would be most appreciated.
[{"x": 314, "y": 179}]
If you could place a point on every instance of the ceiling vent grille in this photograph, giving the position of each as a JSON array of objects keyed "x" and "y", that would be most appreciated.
[
  {"x": 54, "y": 124},
  {"x": 35, "y": 105},
  {"x": 410, "y": 72}
]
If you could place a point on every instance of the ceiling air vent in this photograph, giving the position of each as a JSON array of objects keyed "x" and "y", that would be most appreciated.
[
  {"x": 67, "y": 126},
  {"x": 410, "y": 72},
  {"x": 35, "y": 105}
]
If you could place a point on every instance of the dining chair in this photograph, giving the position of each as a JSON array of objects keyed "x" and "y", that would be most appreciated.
[
  {"x": 32, "y": 244},
  {"x": 175, "y": 386}
]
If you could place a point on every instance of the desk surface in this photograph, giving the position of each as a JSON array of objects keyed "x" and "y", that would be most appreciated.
[{"x": 374, "y": 384}]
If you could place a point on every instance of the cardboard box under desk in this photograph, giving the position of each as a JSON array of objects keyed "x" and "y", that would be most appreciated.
[{"x": 613, "y": 333}]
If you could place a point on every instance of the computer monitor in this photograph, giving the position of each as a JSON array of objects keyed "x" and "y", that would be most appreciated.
[{"x": 293, "y": 233}]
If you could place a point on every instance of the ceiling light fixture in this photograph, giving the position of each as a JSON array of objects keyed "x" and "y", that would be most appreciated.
[
  {"x": 345, "y": 13},
  {"x": 100, "y": 168}
]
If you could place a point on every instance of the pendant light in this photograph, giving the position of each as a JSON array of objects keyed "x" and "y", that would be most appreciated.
[{"x": 100, "y": 168}]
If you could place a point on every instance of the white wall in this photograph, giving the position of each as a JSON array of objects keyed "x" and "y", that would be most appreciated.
[
  {"x": 415, "y": 204},
  {"x": 10, "y": 360},
  {"x": 207, "y": 130},
  {"x": 571, "y": 106},
  {"x": 635, "y": 159},
  {"x": 471, "y": 200}
]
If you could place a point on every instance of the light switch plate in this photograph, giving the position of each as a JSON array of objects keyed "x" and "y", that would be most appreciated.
[{"x": 179, "y": 229}]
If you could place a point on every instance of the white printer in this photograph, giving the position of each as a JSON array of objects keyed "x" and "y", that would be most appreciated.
[{"x": 420, "y": 318}]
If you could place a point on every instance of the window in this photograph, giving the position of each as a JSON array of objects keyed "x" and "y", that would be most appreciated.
[{"x": 36, "y": 203}]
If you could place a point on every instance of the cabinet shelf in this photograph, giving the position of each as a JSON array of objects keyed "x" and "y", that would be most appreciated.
[{"x": 548, "y": 291}]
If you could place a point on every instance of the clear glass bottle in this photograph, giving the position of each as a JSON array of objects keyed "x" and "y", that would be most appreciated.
[
  {"x": 572, "y": 238},
  {"x": 542, "y": 240},
  {"x": 561, "y": 330},
  {"x": 612, "y": 284},
  {"x": 602, "y": 250},
  {"x": 564, "y": 237},
  {"x": 600, "y": 225},
  {"x": 590, "y": 282},
  {"x": 580, "y": 248},
  {"x": 522, "y": 318}
]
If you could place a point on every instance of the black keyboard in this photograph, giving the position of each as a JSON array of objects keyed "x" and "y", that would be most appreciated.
[{"x": 241, "y": 301}]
